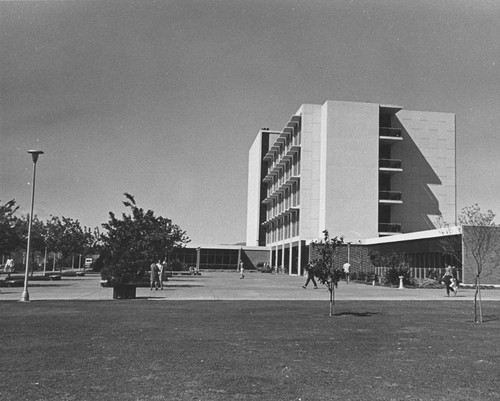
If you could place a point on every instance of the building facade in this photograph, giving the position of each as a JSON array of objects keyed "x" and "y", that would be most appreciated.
[
  {"x": 360, "y": 170},
  {"x": 220, "y": 257}
]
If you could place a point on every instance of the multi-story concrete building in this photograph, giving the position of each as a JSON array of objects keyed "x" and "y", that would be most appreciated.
[{"x": 360, "y": 170}]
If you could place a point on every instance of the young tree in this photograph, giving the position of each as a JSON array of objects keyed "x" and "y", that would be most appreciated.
[
  {"x": 479, "y": 240},
  {"x": 137, "y": 239},
  {"x": 480, "y": 246},
  {"x": 323, "y": 267}
]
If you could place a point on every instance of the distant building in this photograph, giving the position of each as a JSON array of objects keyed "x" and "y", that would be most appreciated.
[
  {"x": 220, "y": 257},
  {"x": 361, "y": 170}
]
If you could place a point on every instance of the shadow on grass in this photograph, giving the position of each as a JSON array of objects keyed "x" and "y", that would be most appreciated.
[
  {"x": 48, "y": 285},
  {"x": 177, "y": 279},
  {"x": 359, "y": 314},
  {"x": 4, "y": 292},
  {"x": 173, "y": 287},
  {"x": 490, "y": 318}
]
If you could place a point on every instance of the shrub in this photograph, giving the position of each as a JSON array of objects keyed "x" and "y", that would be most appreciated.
[
  {"x": 263, "y": 268},
  {"x": 361, "y": 276},
  {"x": 177, "y": 265},
  {"x": 433, "y": 274},
  {"x": 427, "y": 283},
  {"x": 392, "y": 276},
  {"x": 125, "y": 273}
]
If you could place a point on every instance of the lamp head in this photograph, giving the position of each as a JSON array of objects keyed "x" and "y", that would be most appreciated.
[{"x": 35, "y": 154}]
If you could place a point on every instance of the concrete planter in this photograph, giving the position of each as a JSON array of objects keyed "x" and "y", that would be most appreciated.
[{"x": 124, "y": 291}]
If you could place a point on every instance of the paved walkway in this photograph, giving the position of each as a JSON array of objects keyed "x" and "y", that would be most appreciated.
[{"x": 228, "y": 286}]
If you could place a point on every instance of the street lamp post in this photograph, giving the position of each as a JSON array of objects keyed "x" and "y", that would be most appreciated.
[{"x": 34, "y": 155}]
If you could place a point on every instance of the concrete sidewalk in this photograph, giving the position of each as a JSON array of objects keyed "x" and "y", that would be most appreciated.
[{"x": 229, "y": 286}]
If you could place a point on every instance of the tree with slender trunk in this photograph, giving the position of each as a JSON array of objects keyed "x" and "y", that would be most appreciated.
[
  {"x": 477, "y": 246},
  {"x": 323, "y": 266},
  {"x": 66, "y": 236}
]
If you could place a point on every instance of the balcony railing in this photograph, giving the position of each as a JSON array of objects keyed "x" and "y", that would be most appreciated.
[
  {"x": 389, "y": 195},
  {"x": 386, "y": 131},
  {"x": 389, "y": 228},
  {"x": 389, "y": 163}
]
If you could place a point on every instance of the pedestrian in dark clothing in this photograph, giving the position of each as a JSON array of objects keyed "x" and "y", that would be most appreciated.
[
  {"x": 154, "y": 276},
  {"x": 456, "y": 281},
  {"x": 448, "y": 282},
  {"x": 310, "y": 277}
]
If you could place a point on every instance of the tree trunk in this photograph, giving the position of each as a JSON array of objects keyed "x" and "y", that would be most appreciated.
[
  {"x": 332, "y": 299},
  {"x": 478, "y": 317},
  {"x": 480, "y": 301},
  {"x": 32, "y": 262}
]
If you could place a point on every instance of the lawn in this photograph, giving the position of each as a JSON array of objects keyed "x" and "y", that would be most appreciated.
[{"x": 248, "y": 350}]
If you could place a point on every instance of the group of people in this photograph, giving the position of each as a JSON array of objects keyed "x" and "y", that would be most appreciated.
[
  {"x": 450, "y": 278},
  {"x": 156, "y": 274}
]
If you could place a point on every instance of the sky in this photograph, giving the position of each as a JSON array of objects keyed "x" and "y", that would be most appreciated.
[{"x": 163, "y": 99}]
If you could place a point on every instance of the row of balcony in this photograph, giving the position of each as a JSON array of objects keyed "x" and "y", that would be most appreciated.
[
  {"x": 292, "y": 129},
  {"x": 286, "y": 184},
  {"x": 389, "y": 228},
  {"x": 283, "y": 213},
  {"x": 390, "y": 132},
  {"x": 390, "y": 164},
  {"x": 390, "y": 196},
  {"x": 281, "y": 164}
]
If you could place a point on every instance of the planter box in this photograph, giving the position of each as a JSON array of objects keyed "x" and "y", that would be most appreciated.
[{"x": 125, "y": 291}]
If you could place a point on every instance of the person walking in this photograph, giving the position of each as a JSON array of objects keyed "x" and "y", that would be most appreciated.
[
  {"x": 160, "y": 274},
  {"x": 165, "y": 269},
  {"x": 153, "y": 275},
  {"x": 310, "y": 277},
  {"x": 347, "y": 268},
  {"x": 242, "y": 269},
  {"x": 447, "y": 279},
  {"x": 455, "y": 280},
  {"x": 9, "y": 266}
]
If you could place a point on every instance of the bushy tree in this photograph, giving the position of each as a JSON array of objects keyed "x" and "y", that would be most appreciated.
[
  {"x": 66, "y": 236},
  {"x": 323, "y": 267},
  {"x": 137, "y": 239},
  {"x": 14, "y": 231},
  {"x": 37, "y": 242}
]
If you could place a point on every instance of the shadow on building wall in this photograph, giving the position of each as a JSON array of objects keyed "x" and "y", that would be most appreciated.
[{"x": 419, "y": 201}]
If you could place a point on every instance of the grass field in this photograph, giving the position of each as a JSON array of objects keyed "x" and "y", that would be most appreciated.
[{"x": 248, "y": 350}]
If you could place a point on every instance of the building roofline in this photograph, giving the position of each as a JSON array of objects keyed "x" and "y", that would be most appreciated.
[
  {"x": 436, "y": 233},
  {"x": 226, "y": 247}
]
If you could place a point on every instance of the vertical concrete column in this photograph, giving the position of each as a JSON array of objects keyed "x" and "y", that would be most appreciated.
[
  {"x": 283, "y": 248},
  {"x": 299, "y": 261},
  {"x": 290, "y": 257}
]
